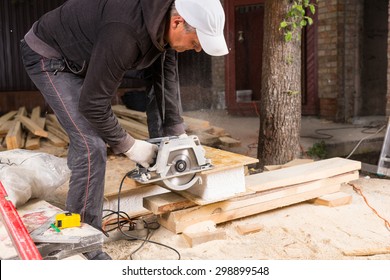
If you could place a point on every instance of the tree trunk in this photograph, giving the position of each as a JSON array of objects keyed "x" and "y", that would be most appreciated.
[{"x": 280, "y": 104}]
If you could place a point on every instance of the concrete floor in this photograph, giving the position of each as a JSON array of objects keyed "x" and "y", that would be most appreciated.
[{"x": 360, "y": 137}]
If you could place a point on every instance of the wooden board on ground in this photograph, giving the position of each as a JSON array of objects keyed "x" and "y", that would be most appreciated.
[
  {"x": 302, "y": 173},
  {"x": 253, "y": 204},
  {"x": 333, "y": 199},
  {"x": 203, "y": 232},
  {"x": 244, "y": 229}
]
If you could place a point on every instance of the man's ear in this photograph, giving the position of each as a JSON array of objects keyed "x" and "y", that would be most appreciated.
[{"x": 176, "y": 20}]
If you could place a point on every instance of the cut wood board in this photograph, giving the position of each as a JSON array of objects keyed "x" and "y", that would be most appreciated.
[
  {"x": 301, "y": 173},
  {"x": 252, "y": 204},
  {"x": 203, "y": 232},
  {"x": 244, "y": 229},
  {"x": 166, "y": 202},
  {"x": 333, "y": 199}
]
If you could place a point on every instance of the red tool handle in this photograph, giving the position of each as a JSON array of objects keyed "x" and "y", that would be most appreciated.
[{"x": 16, "y": 229}]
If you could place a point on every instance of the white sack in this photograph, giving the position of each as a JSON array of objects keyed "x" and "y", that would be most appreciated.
[{"x": 26, "y": 174}]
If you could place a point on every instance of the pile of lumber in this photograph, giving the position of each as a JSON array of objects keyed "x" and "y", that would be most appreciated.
[
  {"x": 264, "y": 191},
  {"x": 136, "y": 124},
  {"x": 21, "y": 129}
]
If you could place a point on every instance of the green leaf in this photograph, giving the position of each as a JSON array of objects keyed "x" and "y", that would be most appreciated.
[
  {"x": 288, "y": 36},
  {"x": 312, "y": 9},
  {"x": 283, "y": 24}
]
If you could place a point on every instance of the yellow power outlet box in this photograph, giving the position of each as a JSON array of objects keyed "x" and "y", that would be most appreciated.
[{"x": 67, "y": 220}]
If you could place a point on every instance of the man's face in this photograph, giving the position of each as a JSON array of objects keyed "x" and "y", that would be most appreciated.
[{"x": 180, "y": 39}]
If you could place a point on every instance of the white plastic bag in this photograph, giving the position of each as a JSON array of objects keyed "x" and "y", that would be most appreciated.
[{"x": 27, "y": 174}]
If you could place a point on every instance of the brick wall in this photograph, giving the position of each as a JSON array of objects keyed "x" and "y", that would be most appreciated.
[
  {"x": 340, "y": 58},
  {"x": 328, "y": 76}
]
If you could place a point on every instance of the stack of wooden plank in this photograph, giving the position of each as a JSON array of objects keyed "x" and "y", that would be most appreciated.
[
  {"x": 264, "y": 191},
  {"x": 136, "y": 124},
  {"x": 19, "y": 129}
]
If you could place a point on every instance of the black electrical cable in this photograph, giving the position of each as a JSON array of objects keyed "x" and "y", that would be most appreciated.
[
  {"x": 329, "y": 136},
  {"x": 123, "y": 219}
]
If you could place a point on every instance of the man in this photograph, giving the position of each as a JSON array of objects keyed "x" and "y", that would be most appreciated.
[{"x": 77, "y": 56}]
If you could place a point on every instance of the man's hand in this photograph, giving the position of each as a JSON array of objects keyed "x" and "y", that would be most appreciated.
[{"x": 142, "y": 152}]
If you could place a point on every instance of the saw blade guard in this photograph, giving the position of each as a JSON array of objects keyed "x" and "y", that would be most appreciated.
[
  {"x": 184, "y": 154},
  {"x": 178, "y": 162}
]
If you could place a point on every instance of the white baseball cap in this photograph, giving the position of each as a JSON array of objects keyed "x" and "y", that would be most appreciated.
[{"x": 208, "y": 19}]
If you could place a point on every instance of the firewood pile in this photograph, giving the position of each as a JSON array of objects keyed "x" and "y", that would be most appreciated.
[{"x": 23, "y": 130}]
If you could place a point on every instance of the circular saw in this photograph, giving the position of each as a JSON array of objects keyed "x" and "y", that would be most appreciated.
[{"x": 178, "y": 163}]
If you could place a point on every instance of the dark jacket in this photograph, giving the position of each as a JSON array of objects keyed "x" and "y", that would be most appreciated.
[{"x": 103, "y": 39}]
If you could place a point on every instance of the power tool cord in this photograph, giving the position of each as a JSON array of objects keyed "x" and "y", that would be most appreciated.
[
  {"x": 123, "y": 218},
  {"x": 360, "y": 192}
]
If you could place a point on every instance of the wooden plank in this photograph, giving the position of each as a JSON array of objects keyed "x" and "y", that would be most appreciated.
[
  {"x": 253, "y": 204},
  {"x": 176, "y": 223},
  {"x": 294, "y": 162},
  {"x": 5, "y": 127},
  {"x": 229, "y": 142},
  {"x": 33, "y": 142},
  {"x": 367, "y": 252},
  {"x": 8, "y": 116},
  {"x": 223, "y": 160},
  {"x": 301, "y": 173},
  {"x": 217, "y": 131},
  {"x": 121, "y": 110},
  {"x": 56, "y": 141},
  {"x": 333, "y": 199},
  {"x": 167, "y": 202},
  {"x": 203, "y": 232},
  {"x": 134, "y": 126},
  {"x": 32, "y": 126},
  {"x": 53, "y": 121},
  {"x": 245, "y": 229},
  {"x": 208, "y": 139},
  {"x": 57, "y": 132},
  {"x": 194, "y": 125},
  {"x": 14, "y": 138}
]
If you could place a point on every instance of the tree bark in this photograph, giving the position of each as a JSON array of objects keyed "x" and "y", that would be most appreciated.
[{"x": 280, "y": 103}]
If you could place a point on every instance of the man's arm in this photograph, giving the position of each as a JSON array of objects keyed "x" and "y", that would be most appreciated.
[
  {"x": 167, "y": 93},
  {"x": 114, "y": 52}
]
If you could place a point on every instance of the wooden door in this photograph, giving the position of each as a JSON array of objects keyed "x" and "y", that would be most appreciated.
[
  {"x": 244, "y": 35},
  {"x": 244, "y": 27}
]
